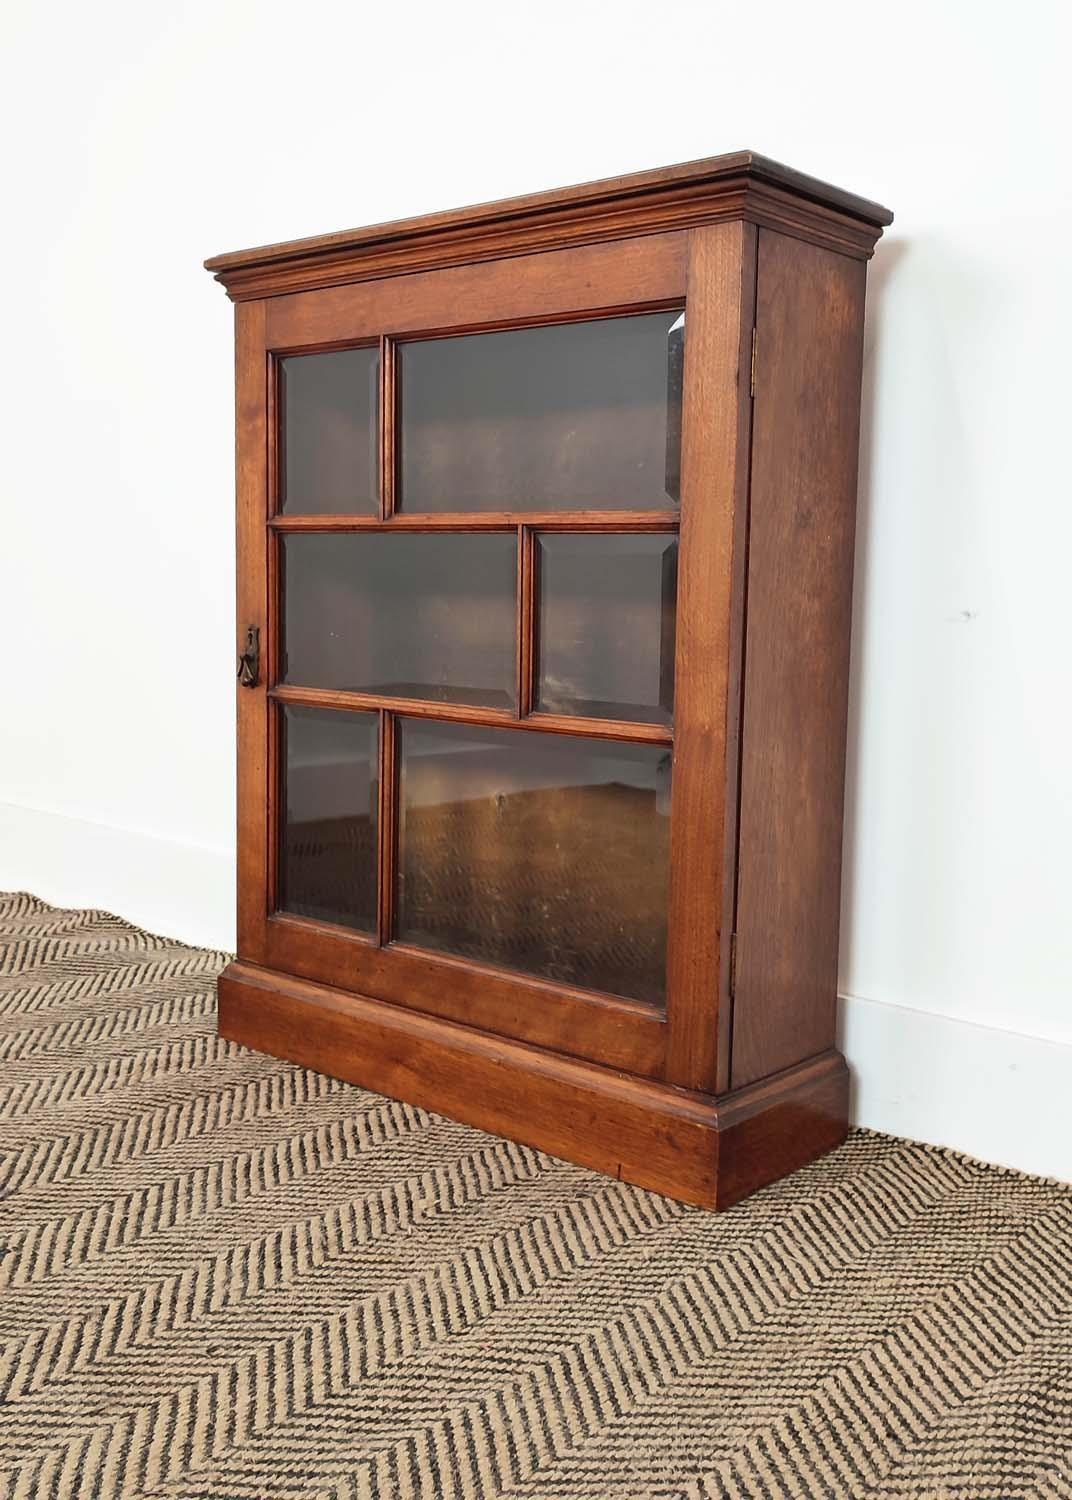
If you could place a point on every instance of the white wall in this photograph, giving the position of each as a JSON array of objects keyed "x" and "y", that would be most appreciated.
[{"x": 141, "y": 138}]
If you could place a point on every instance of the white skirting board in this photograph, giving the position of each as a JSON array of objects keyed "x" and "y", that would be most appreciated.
[
  {"x": 996, "y": 1094},
  {"x": 183, "y": 891}
]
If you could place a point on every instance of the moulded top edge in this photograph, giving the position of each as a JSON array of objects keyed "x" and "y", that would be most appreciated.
[{"x": 718, "y": 172}]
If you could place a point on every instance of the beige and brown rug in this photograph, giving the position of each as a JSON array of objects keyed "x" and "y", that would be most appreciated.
[{"x": 222, "y": 1276}]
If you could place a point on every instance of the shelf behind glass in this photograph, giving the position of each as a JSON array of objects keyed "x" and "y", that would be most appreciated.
[{"x": 411, "y": 615}]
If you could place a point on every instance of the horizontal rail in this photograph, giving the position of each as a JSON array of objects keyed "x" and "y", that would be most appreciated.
[
  {"x": 490, "y": 718},
  {"x": 499, "y": 520}
]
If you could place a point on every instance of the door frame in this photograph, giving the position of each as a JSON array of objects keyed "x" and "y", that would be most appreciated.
[{"x": 711, "y": 271}]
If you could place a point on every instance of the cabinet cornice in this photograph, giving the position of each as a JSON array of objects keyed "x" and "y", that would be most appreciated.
[{"x": 742, "y": 185}]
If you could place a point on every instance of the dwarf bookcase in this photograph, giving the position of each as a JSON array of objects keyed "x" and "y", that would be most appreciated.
[{"x": 545, "y": 539}]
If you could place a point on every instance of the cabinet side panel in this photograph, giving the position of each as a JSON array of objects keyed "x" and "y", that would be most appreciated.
[{"x": 809, "y": 352}]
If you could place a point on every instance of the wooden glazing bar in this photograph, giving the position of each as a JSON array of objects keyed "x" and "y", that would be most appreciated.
[
  {"x": 526, "y": 619},
  {"x": 604, "y": 729},
  {"x": 503, "y": 520},
  {"x": 386, "y": 839},
  {"x": 388, "y": 460},
  {"x": 492, "y": 718}
]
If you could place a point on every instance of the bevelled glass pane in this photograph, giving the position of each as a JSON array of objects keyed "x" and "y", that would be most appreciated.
[
  {"x": 406, "y": 615},
  {"x": 329, "y": 433},
  {"x": 575, "y": 416},
  {"x": 539, "y": 852},
  {"x": 606, "y": 625},
  {"x": 327, "y": 854}
]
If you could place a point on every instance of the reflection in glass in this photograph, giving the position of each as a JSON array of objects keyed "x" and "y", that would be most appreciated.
[
  {"x": 327, "y": 853},
  {"x": 573, "y": 416},
  {"x": 407, "y": 615},
  {"x": 675, "y": 381},
  {"x": 606, "y": 625},
  {"x": 329, "y": 433},
  {"x": 539, "y": 852}
]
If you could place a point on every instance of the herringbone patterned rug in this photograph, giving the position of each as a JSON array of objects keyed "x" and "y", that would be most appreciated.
[{"x": 226, "y": 1277}]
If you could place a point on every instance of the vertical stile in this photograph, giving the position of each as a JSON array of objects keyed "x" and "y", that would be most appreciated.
[
  {"x": 255, "y": 606},
  {"x": 386, "y": 835},
  {"x": 387, "y": 428},
  {"x": 271, "y": 651},
  {"x": 738, "y": 634},
  {"x": 526, "y": 619},
  {"x": 714, "y": 481}
]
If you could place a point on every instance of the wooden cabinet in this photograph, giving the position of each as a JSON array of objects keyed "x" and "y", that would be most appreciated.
[{"x": 545, "y": 539}]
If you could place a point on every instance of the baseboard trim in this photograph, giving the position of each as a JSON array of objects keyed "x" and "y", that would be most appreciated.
[
  {"x": 995, "y": 1094},
  {"x": 183, "y": 890}
]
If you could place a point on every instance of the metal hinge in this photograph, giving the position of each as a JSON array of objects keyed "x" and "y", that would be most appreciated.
[
  {"x": 733, "y": 964},
  {"x": 753, "y": 377}
]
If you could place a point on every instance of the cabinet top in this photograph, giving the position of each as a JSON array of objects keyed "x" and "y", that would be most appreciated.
[{"x": 742, "y": 184}]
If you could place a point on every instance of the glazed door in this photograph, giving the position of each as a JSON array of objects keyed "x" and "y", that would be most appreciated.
[{"x": 487, "y": 536}]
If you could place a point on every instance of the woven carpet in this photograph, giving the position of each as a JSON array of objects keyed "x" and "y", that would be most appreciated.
[{"x": 222, "y": 1276}]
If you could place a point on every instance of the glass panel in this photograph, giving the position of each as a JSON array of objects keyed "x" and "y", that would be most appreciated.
[
  {"x": 541, "y": 852},
  {"x": 415, "y": 616},
  {"x": 327, "y": 855},
  {"x": 575, "y": 416},
  {"x": 329, "y": 452},
  {"x": 606, "y": 626}
]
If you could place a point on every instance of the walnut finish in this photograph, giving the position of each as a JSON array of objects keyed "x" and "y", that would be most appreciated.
[
  {"x": 796, "y": 674},
  {"x": 692, "y": 1146},
  {"x": 741, "y": 184},
  {"x": 735, "y": 1079}
]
